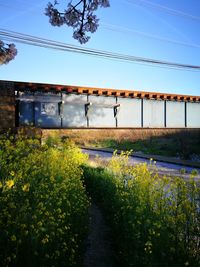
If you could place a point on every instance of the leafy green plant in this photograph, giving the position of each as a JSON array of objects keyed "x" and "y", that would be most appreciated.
[
  {"x": 182, "y": 171},
  {"x": 194, "y": 172}
]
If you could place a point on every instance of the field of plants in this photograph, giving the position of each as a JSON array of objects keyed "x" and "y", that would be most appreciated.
[
  {"x": 185, "y": 145},
  {"x": 46, "y": 191},
  {"x": 155, "y": 221},
  {"x": 43, "y": 203}
]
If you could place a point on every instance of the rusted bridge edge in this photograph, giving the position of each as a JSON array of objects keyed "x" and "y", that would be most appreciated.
[{"x": 26, "y": 86}]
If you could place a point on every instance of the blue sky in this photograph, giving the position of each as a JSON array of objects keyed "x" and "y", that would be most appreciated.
[{"x": 132, "y": 22}]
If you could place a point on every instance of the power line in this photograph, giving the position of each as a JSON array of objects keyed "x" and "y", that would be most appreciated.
[
  {"x": 47, "y": 43},
  {"x": 116, "y": 28},
  {"x": 163, "y": 8}
]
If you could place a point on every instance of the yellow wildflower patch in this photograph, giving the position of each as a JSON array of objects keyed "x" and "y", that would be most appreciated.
[
  {"x": 46, "y": 184},
  {"x": 26, "y": 187},
  {"x": 10, "y": 183}
]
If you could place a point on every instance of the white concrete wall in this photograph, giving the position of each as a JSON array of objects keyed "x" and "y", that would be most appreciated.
[
  {"x": 193, "y": 115},
  {"x": 74, "y": 110},
  {"x": 175, "y": 114},
  {"x": 153, "y": 113},
  {"x": 101, "y": 114},
  {"x": 129, "y": 113}
]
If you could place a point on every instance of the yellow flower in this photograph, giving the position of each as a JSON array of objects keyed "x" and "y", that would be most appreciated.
[
  {"x": 26, "y": 232},
  {"x": 26, "y": 187},
  {"x": 12, "y": 205},
  {"x": 13, "y": 238},
  {"x": 52, "y": 179},
  {"x": 39, "y": 223},
  {"x": 45, "y": 239},
  {"x": 12, "y": 173},
  {"x": 9, "y": 183}
]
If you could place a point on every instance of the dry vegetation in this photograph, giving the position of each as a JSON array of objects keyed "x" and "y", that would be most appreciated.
[{"x": 181, "y": 143}]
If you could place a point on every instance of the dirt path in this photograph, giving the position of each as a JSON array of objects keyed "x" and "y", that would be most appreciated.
[{"x": 98, "y": 245}]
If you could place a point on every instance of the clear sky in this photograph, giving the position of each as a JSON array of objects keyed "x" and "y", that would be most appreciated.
[{"x": 125, "y": 28}]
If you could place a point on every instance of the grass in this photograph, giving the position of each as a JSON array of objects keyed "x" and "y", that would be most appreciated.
[
  {"x": 173, "y": 146},
  {"x": 182, "y": 143},
  {"x": 146, "y": 146}
]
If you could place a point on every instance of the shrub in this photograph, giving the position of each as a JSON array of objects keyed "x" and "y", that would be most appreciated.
[
  {"x": 43, "y": 204},
  {"x": 155, "y": 220}
]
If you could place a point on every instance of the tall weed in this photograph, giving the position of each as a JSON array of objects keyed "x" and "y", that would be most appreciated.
[
  {"x": 43, "y": 203},
  {"x": 155, "y": 220}
]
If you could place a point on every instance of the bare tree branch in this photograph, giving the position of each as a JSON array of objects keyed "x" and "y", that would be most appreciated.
[{"x": 80, "y": 16}]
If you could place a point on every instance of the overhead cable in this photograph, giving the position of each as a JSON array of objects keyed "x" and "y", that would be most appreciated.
[
  {"x": 116, "y": 28},
  {"x": 166, "y": 9},
  {"x": 47, "y": 43}
]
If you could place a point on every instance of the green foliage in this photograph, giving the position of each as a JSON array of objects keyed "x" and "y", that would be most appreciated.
[
  {"x": 194, "y": 172},
  {"x": 43, "y": 203},
  {"x": 183, "y": 144},
  {"x": 155, "y": 146},
  {"x": 182, "y": 171},
  {"x": 155, "y": 220}
]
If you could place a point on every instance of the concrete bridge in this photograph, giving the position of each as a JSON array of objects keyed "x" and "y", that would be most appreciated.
[{"x": 58, "y": 106}]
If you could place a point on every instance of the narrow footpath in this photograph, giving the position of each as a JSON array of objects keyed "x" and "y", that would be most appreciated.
[{"x": 98, "y": 245}]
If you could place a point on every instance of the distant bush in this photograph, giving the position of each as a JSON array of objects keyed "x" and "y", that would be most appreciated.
[
  {"x": 43, "y": 203},
  {"x": 155, "y": 220}
]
